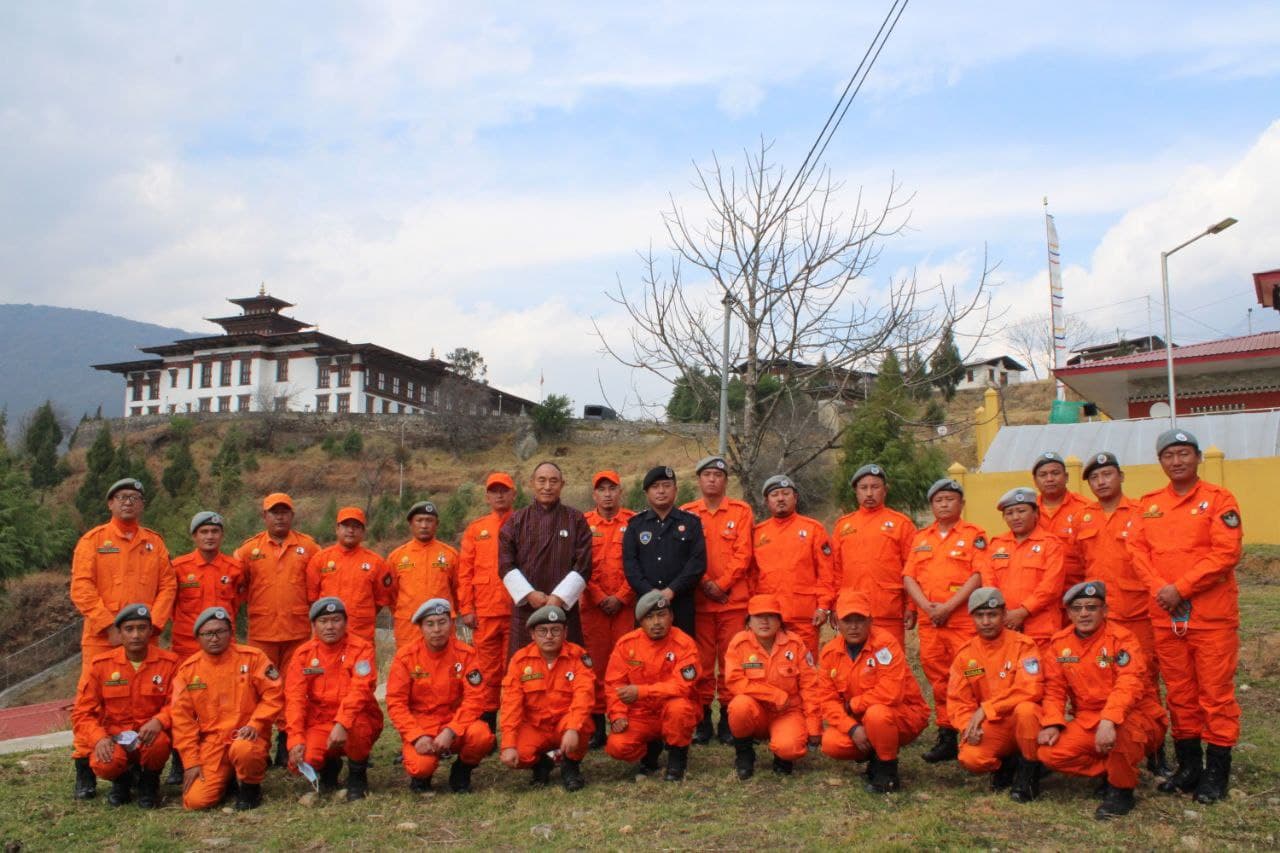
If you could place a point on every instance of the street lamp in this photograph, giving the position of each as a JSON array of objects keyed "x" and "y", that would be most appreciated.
[{"x": 1168, "y": 316}]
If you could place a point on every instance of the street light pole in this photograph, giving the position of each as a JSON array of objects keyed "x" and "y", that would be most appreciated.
[
  {"x": 1168, "y": 312},
  {"x": 724, "y": 378}
]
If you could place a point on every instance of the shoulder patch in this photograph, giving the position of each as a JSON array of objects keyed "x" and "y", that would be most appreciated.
[
  {"x": 980, "y": 543},
  {"x": 826, "y": 549},
  {"x": 474, "y": 678},
  {"x": 1031, "y": 665},
  {"x": 1231, "y": 519},
  {"x": 689, "y": 673},
  {"x": 884, "y": 657},
  {"x": 272, "y": 672},
  {"x": 362, "y": 668},
  {"x": 586, "y": 661}
]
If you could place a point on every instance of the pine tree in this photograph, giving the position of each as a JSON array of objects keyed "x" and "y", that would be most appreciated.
[
  {"x": 100, "y": 462},
  {"x": 180, "y": 476},
  {"x": 946, "y": 366},
  {"x": 40, "y": 441}
]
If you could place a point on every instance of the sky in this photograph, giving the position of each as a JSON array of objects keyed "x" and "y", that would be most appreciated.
[{"x": 428, "y": 176}]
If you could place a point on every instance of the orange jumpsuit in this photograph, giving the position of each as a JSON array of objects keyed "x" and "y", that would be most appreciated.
[
  {"x": 870, "y": 549},
  {"x": 1004, "y": 678},
  {"x": 420, "y": 572},
  {"x": 213, "y": 698},
  {"x": 728, "y": 533},
  {"x": 109, "y": 571},
  {"x": 941, "y": 565},
  {"x": 1193, "y": 542},
  {"x": 114, "y": 697},
  {"x": 666, "y": 674},
  {"x": 540, "y": 703},
  {"x": 1061, "y": 523},
  {"x": 327, "y": 684},
  {"x": 600, "y": 631},
  {"x": 481, "y": 591},
  {"x": 775, "y": 695},
  {"x": 1029, "y": 573},
  {"x": 876, "y": 690},
  {"x": 202, "y": 585},
  {"x": 358, "y": 577},
  {"x": 1104, "y": 678},
  {"x": 428, "y": 692},
  {"x": 792, "y": 557}
]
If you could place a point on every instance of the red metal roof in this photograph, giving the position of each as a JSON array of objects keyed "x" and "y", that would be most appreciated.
[
  {"x": 41, "y": 719},
  {"x": 1248, "y": 346}
]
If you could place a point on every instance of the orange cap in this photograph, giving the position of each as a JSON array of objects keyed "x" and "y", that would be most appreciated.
[
  {"x": 498, "y": 478},
  {"x": 611, "y": 476},
  {"x": 852, "y": 601},
  {"x": 275, "y": 499},
  {"x": 761, "y": 604},
  {"x": 351, "y": 513}
]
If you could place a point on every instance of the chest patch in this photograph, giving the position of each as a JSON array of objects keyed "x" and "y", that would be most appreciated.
[
  {"x": 884, "y": 657},
  {"x": 645, "y": 537}
]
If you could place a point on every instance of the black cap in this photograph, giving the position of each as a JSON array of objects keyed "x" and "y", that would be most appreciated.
[
  {"x": 1100, "y": 460},
  {"x": 662, "y": 472}
]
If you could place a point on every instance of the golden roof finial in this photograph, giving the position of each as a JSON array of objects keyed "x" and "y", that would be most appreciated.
[{"x": 262, "y": 289}]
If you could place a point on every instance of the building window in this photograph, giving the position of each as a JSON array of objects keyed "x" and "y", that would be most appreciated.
[
  {"x": 135, "y": 411},
  {"x": 435, "y": 398},
  {"x": 173, "y": 378},
  {"x": 386, "y": 406},
  {"x": 422, "y": 393},
  {"x": 153, "y": 410},
  {"x": 188, "y": 407},
  {"x": 224, "y": 403},
  {"x": 395, "y": 385},
  {"x": 206, "y": 404},
  {"x": 382, "y": 381},
  {"x": 206, "y": 375},
  {"x": 246, "y": 371},
  {"x": 344, "y": 375},
  {"x": 282, "y": 404},
  {"x": 224, "y": 373},
  {"x": 409, "y": 390},
  {"x": 153, "y": 387},
  {"x": 368, "y": 404},
  {"x": 173, "y": 408},
  {"x": 991, "y": 374},
  {"x": 1004, "y": 379},
  {"x": 135, "y": 389},
  {"x": 282, "y": 369},
  {"x": 400, "y": 408},
  {"x": 322, "y": 402},
  {"x": 243, "y": 402},
  {"x": 322, "y": 377},
  {"x": 344, "y": 403}
]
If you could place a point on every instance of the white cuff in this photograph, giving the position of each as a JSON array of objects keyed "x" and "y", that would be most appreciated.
[
  {"x": 570, "y": 589},
  {"x": 517, "y": 585}
]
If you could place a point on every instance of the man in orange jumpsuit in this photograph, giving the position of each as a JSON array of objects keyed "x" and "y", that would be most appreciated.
[
  {"x": 115, "y": 564},
  {"x": 121, "y": 716},
  {"x": 422, "y": 568},
  {"x": 329, "y": 703},
  {"x": 792, "y": 558},
  {"x": 225, "y": 698},
  {"x": 206, "y": 578},
  {"x": 994, "y": 695},
  {"x": 351, "y": 572},
  {"x": 941, "y": 573},
  {"x": 1025, "y": 564},
  {"x": 720, "y": 602},
  {"x": 1058, "y": 511},
  {"x": 484, "y": 604},
  {"x": 868, "y": 695},
  {"x": 435, "y": 696},
  {"x": 870, "y": 546},
  {"x": 1187, "y": 543},
  {"x": 1098, "y": 667},
  {"x": 774, "y": 687},
  {"x": 547, "y": 696},
  {"x": 274, "y": 563},
  {"x": 651, "y": 681},
  {"x": 1101, "y": 534},
  {"x": 608, "y": 599}
]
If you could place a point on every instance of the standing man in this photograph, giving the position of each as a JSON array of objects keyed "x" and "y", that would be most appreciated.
[
  {"x": 483, "y": 601},
  {"x": 206, "y": 578},
  {"x": 871, "y": 545},
  {"x": 943, "y": 571},
  {"x": 1188, "y": 543},
  {"x": 663, "y": 548},
  {"x": 720, "y": 603},
  {"x": 353, "y": 574},
  {"x": 1025, "y": 564},
  {"x": 544, "y": 556},
  {"x": 274, "y": 563},
  {"x": 1059, "y": 509},
  {"x": 608, "y": 598},
  {"x": 422, "y": 568},
  {"x": 792, "y": 557}
]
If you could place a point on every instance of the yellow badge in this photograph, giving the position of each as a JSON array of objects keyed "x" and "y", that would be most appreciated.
[
  {"x": 484, "y": 534},
  {"x": 1153, "y": 508},
  {"x": 255, "y": 552},
  {"x": 332, "y": 564},
  {"x": 315, "y": 661},
  {"x": 195, "y": 679},
  {"x": 405, "y": 561},
  {"x": 833, "y": 673},
  {"x": 528, "y": 670},
  {"x": 1066, "y": 651},
  {"x": 106, "y": 544},
  {"x": 1088, "y": 517},
  {"x": 753, "y": 659},
  {"x": 191, "y": 576},
  {"x": 115, "y": 676}
]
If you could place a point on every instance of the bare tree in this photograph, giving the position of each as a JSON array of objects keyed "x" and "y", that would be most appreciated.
[
  {"x": 1031, "y": 338},
  {"x": 794, "y": 270}
]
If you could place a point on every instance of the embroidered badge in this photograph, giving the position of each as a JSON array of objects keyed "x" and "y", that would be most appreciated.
[
  {"x": 689, "y": 673},
  {"x": 474, "y": 678},
  {"x": 272, "y": 673},
  {"x": 645, "y": 537},
  {"x": 884, "y": 657},
  {"x": 980, "y": 543},
  {"x": 362, "y": 668},
  {"x": 1031, "y": 665},
  {"x": 1231, "y": 519},
  {"x": 586, "y": 661}
]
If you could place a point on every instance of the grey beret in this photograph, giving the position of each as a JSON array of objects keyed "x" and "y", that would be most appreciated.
[
  {"x": 649, "y": 602},
  {"x": 777, "y": 481},
  {"x": 1100, "y": 460},
  {"x": 432, "y": 607},
  {"x": 946, "y": 484},
  {"x": 1170, "y": 437},
  {"x": 872, "y": 470},
  {"x": 422, "y": 506},
  {"x": 1085, "y": 589},
  {"x": 716, "y": 462},
  {"x": 130, "y": 612},
  {"x": 200, "y": 519},
  {"x": 985, "y": 598},
  {"x": 1013, "y": 497},
  {"x": 662, "y": 472},
  {"x": 1047, "y": 457},
  {"x": 546, "y": 615},
  {"x": 211, "y": 613},
  {"x": 126, "y": 483},
  {"x": 327, "y": 606}
]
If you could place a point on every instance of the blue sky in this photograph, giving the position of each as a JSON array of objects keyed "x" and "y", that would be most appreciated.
[{"x": 429, "y": 176}]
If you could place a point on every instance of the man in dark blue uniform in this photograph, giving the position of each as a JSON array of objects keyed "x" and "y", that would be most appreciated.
[{"x": 663, "y": 548}]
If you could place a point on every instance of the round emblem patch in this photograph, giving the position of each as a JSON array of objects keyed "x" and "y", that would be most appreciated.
[
  {"x": 884, "y": 657},
  {"x": 363, "y": 668}
]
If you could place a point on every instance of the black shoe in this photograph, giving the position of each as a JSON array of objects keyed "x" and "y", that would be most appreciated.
[
  {"x": 1190, "y": 767},
  {"x": 86, "y": 782},
  {"x": 282, "y": 750},
  {"x": 149, "y": 789},
  {"x": 703, "y": 733},
  {"x": 652, "y": 753},
  {"x": 460, "y": 776},
  {"x": 723, "y": 733},
  {"x": 230, "y": 791},
  {"x": 121, "y": 788},
  {"x": 329, "y": 775},
  {"x": 1217, "y": 771},
  {"x": 1026, "y": 781},
  {"x": 946, "y": 748},
  {"x": 601, "y": 733},
  {"x": 357, "y": 780},
  {"x": 1100, "y": 790},
  {"x": 1158, "y": 763},
  {"x": 176, "y": 769},
  {"x": 571, "y": 775},
  {"x": 782, "y": 767},
  {"x": 542, "y": 771},
  {"x": 677, "y": 763},
  {"x": 490, "y": 719},
  {"x": 744, "y": 757},
  {"x": 419, "y": 786},
  {"x": 872, "y": 761},
  {"x": 1117, "y": 802},
  {"x": 248, "y": 797},
  {"x": 1003, "y": 777},
  {"x": 884, "y": 777}
]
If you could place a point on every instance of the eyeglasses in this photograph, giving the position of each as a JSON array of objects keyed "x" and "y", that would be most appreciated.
[
  {"x": 129, "y": 499},
  {"x": 1085, "y": 608},
  {"x": 214, "y": 635},
  {"x": 545, "y": 631}
]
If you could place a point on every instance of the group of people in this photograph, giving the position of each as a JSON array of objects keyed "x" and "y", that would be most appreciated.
[{"x": 1043, "y": 645}]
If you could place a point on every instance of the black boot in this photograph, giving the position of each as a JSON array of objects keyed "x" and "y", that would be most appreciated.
[
  {"x": 86, "y": 782},
  {"x": 175, "y": 769},
  {"x": 677, "y": 763},
  {"x": 1217, "y": 772},
  {"x": 282, "y": 750},
  {"x": 723, "y": 734},
  {"x": 149, "y": 789},
  {"x": 357, "y": 780},
  {"x": 1117, "y": 802},
  {"x": 884, "y": 777},
  {"x": 248, "y": 797},
  {"x": 121, "y": 788},
  {"x": 571, "y": 775},
  {"x": 418, "y": 786},
  {"x": 601, "y": 733},
  {"x": 1003, "y": 777},
  {"x": 490, "y": 719},
  {"x": 782, "y": 767},
  {"x": 542, "y": 771},
  {"x": 1026, "y": 781},
  {"x": 460, "y": 776},
  {"x": 652, "y": 753},
  {"x": 1190, "y": 767},
  {"x": 1100, "y": 790},
  {"x": 1158, "y": 762},
  {"x": 703, "y": 733},
  {"x": 744, "y": 757},
  {"x": 328, "y": 775},
  {"x": 946, "y": 748},
  {"x": 231, "y": 791}
]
